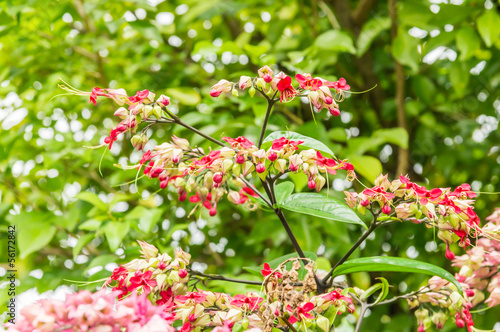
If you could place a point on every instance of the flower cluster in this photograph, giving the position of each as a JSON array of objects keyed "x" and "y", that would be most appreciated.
[
  {"x": 154, "y": 273},
  {"x": 480, "y": 266},
  {"x": 317, "y": 90},
  {"x": 153, "y": 295},
  {"x": 451, "y": 212},
  {"x": 220, "y": 172},
  {"x": 444, "y": 295},
  {"x": 86, "y": 311},
  {"x": 288, "y": 297}
]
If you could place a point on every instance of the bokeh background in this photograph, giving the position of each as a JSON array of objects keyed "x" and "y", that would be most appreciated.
[{"x": 433, "y": 114}]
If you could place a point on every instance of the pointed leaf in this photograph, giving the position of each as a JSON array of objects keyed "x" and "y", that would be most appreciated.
[
  {"x": 93, "y": 199},
  {"x": 309, "y": 143},
  {"x": 115, "y": 232},
  {"x": 394, "y": 264},
  {"x": 322, "y": 206},
  {"x": 283, "y": 190}
]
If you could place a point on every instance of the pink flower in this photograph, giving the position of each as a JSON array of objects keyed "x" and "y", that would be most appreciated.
[
  {"x": 340, "y": 85},
  {"x": 142, "y": 279},
  {"x": 302, "y": 312},
  {"x": 191, "y": 297},
  {"x": 245, "y": 82},
  {"x": 220, "y": 87},
  {"x": 266, "y": 74},
  {"x": 251, "y": 302}
]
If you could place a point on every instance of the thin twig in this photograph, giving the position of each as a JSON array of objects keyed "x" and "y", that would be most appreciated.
[
  {"x": 361, "y": 316},
  {"x": 219, "y": 277}
]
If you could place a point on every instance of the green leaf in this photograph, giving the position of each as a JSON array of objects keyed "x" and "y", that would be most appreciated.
[
  {"x": 90, "y": 225},
  {"x": 398, "y": 136},
  {"x": 185, "y": 95},
  {"x": 115, "y": 232},
  {"x": 370, "y": 31},
  {"x": 283, "y": 190},
  {"x": 335, "y": 40},
  {"x": 93, "y": 199},
  {"x": 488, "y": 26},
  {"x": 385, "y": 290},
  {"x": 368, "y": 166},
  {"x": 459, "y": 77},
  {"x": 321, "y": 206},
  {"x": 404, "y": 49},
  {"x": 147, "y": 217},
  {"x": 467, "y": 43},
  {"x": 309, "y": 143},
  {"x": 82, "y": 241},
  {"x": 35, "y": 231},
  {"x": 394, "y": 264}
]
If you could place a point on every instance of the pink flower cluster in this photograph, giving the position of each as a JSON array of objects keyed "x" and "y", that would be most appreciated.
[
  {"x": 218, "y": 173},
  {"x": 480, "y": 266},
  {"x": 444, "y": 295},
  {"x": 97, "y": 312},
  {"x": 450, "y": 211},
  {"x": 317, "y": 89}
]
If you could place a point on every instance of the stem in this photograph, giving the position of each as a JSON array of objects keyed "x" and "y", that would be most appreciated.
[
  {"x": 270, "y": 103},
  {"x": 361, "y": 316},
  {"x": 363, "y": 237},
  {"x": 219, "y": 277},
  {"x": 290, "y": 326},
  {"x": 210, "y": 138},
  {"x": 251, "y": 186},
  {"x": 289, "y": 232}
]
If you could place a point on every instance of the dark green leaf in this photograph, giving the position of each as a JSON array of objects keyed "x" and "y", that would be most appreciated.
[
  {"x": 321, "y": 206},
  {"x": 394, "y": 264}
]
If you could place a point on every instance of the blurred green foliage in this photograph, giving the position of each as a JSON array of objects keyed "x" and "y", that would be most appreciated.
[{"x": 75, "y": 224}]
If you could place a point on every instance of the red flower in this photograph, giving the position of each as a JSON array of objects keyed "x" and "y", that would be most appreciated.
[
  {"x": 301, "y": 313},
  {"x": 279, "y": 143},
  {"x": 239, "y": 142},
  {"x": 307, "y": 82},
  {"x": 142, "y": 279},
  {"x": 286, "y": 88},
  {"x": 192, "y": 297},
  {"x": 267, "y": 271},
  {"x": 139, "y": 97},
  {"x": 251, "y": 302},
  {"x": 340, "y": 85}
]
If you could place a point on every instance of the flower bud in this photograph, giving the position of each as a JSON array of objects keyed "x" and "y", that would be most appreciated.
[
  {"x": 240, "y": 159},
  {"x": 139, "y": 141},
  {"x": 449, "y": 254},
  {"x": 261, "y": 83},
  {"x": 163, "y": 100},
  {"x": 280, "y": 165},
  {"x": 421, "y": 314},
  {"x": 445, "y": 236},
  {"x": 147, "y": 111},
  {"x": 208, "y": 180},
  {"x": 323, "y": 323},
  {"x": 235, "y": 93},
  {"x": 157, "y": 111},
  {"x": 247, "y": 168},
  {"x": 237, "y": 170},
  {"x": 386, "y": 209},
  {"x": 122, "y": 113},
  {"x": 233, "y": 197},
  {"x": 260, "y": 168},
  {"x": 148, "y": 250},
  {"x": 272, "y": 156},
  {"x": 226, "y": 165},
  {"x": 251, "y": 91},
  {"x": 183, "y": 273},
  {"x": 218, "y": 177},
  {"x": 311, "y": 183},
  {"x": 320, "y": 182}
]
